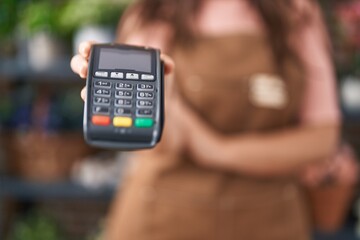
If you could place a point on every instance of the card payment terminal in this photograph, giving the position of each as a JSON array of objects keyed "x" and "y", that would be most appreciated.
[{"x": 124, "y": 106}]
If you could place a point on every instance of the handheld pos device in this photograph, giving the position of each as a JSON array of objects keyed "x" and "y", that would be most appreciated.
[{"x": 124, "y": 106}]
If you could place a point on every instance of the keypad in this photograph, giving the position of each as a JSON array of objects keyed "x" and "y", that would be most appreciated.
[{"x": 123, "y": 100}]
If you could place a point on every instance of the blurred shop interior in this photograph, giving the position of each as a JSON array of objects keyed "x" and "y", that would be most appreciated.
[{"x": 52, "y": 185}]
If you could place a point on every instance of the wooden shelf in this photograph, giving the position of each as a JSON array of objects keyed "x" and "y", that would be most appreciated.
[
  {"x": 24, "y": 190},
  {"x": 16, "y": 70}
]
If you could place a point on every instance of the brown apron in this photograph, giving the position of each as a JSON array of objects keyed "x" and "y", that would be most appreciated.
[{"x": 169, "y": 197}]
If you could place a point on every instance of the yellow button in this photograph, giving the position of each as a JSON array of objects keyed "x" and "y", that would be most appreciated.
[{"x": 122, "y": 121}]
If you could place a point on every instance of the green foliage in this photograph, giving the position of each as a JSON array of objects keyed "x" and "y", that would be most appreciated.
[
  {"x": 39, "y": 16},
  {"x": 60, "y": 17},
  {"x": 7, "y": 17},
  {"x": 78, "y": 13},
  {"x": 35, "y": 226}
]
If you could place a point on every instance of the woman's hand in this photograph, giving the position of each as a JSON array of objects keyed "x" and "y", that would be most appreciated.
[
  {"x": 79, "y": 63},
  {"x": 202, "y": 141},
  {"x": 342, "y": 169}
]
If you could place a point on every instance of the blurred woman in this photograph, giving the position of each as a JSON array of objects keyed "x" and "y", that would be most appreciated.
[{"x": 250, "y": 103}]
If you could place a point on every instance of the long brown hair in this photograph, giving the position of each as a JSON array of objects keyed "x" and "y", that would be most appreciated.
[{"x": 278, "y": 16}]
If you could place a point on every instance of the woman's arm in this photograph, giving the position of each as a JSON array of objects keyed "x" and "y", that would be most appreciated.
[{"x": 278, "y": 153}]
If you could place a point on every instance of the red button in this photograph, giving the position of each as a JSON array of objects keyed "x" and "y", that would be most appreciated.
[{"x": 101, "y": 120}]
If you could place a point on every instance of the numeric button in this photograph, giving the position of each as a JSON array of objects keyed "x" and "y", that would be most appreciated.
[
  {"x": 144, "y": 104},
  {"x": 122, "y": 111},
  {"x": 102, "y": 84},
  {"x": 123, "y": 94},
  {"x": 102, "y": 101},
  {"x": 124, "y": 86},
  {"x": 145, "y": 87},
  {"x": 123, "y": 102},
  {"x": 145, "y": 95},
  {"x": 102, "y": 92}
]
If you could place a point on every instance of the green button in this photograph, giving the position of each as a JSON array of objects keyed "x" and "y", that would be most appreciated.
[{"x": 144, "y": 122}]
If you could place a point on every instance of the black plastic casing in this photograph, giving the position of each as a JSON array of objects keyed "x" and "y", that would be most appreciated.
[{"x": 124, "y": 138}]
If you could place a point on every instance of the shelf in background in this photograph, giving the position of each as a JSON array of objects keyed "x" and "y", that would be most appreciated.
[
  {"x": 15, "y": 70},
  {"x": 15, "y": 188}
]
